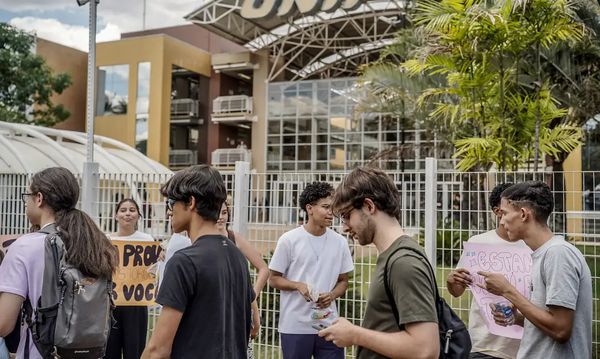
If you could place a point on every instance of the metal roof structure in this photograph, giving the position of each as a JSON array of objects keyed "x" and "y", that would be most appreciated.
[
  {"x": 29, "y": 149},
  {"x": 323, "y": 45}
]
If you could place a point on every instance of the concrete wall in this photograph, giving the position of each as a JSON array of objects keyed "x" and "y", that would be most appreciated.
[{"x": 63, "y": 59}]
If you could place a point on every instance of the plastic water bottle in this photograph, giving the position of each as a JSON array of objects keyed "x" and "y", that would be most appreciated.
[{"x": 506, "y": 309}]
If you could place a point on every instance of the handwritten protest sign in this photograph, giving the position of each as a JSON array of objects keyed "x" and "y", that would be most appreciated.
[
  {"x": 512, "y": 261},
  {"x": 133, "y": 284}
]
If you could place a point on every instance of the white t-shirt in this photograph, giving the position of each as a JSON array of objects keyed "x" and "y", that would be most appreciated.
[
  {"x": 483, "y": 341},
  {"x": 135, "y": 236},
  {"x": 317, "y": 261}
]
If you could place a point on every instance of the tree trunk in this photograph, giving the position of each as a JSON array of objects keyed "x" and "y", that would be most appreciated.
[{"x": 538, "y": 119}]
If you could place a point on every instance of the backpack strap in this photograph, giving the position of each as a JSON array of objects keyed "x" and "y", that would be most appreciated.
[
  {"x": 27, "y": 312},
  {"x": 387, "y": 287}
]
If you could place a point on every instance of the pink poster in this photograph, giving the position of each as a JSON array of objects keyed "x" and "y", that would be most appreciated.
[{"x": 512, "y": 261}]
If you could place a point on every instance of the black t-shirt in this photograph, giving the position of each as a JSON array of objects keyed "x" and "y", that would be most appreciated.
[{"x": 210, "y": 284}]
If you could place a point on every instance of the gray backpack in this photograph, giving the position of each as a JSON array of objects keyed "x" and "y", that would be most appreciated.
[{"x": 73, "y": 316}]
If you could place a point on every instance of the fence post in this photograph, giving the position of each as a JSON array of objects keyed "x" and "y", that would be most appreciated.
[
  {"x": 90, "y": 187},
  {"x": 240, "y": 197},
  {"x": 430, "y": 209}
]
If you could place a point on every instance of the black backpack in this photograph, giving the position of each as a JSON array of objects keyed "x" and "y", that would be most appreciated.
[
  {"x": 455, "y": 341},
  {"x": 73, "y": 316}
]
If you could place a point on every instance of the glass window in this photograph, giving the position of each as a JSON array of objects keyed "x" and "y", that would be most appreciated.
[
  {"x": 272, "y": 140},
  {"x": 141, "y": 107},
  {"x": 143, "y": 87},
  {"x": 304, "y": 138},
  {"x": 290, "y": 140},
  {"x": 322, "y": 124},
  {"x": 141, "y": 133},
  {"x": 303, "y": 165},
  {"x": 304, "y": 125},
  {"x": 289, "y": 126},
  {"x": 322, "y": 153},
  {"x": 288, "y": 153},
  {"x": 304, "y": 153},
  {"x": 112, "y": 90},
  {"x": 273, "y": 154},
  {"x": 274, "y": 127},
  {"x": 275, "y": 100}
]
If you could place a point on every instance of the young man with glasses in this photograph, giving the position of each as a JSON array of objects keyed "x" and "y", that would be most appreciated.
[
  {"x": 310, "y": 266},
  {"x": 206, "y": 291},
  {"x": 368, "y": 202}
]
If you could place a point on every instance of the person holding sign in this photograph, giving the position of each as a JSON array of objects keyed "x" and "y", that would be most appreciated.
[
  {"x": 206, "y": 293},
  {"x": 128, "y": 336},
  {"x": 557, "y": 317},
  {"x": 485, "y": 344}
]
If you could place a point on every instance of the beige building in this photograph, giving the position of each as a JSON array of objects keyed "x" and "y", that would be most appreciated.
[{"x": 64, "y": 59}]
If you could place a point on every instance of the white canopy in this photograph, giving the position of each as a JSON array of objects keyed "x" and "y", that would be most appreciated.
[{"x": 29, "y": 149}]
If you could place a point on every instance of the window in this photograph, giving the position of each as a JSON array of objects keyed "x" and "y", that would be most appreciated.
[
  {"x": 141, "y": 107},
  {"x": 112, "y": 92}
]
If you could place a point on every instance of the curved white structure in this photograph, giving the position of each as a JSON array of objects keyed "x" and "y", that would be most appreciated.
[{"x": 28, "y": 149}]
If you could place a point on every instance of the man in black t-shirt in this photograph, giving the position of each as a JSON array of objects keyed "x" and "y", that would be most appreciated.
[{"x": 206, "y": 290}]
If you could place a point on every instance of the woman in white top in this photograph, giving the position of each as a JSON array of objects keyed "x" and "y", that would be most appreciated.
[{"x": 128, "y": 336}]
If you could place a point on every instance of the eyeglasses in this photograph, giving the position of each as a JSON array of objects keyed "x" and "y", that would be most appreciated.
[
  {"x": 23, "y": 195},
  {"x": 345, "y": 217},
  {"x": 170, "y": 203}
]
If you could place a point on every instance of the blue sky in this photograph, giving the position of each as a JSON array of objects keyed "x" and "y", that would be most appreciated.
[{"x": 63, "y": 21}]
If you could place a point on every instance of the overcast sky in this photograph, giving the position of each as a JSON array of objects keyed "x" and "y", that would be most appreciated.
[{"x": 63, "y": 21}]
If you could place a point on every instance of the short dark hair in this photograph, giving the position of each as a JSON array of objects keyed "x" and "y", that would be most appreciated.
[
  {"x": 535, "y": 195},
  {"x": 313, "y": 192},
  {"x": 367, "y": 182},
  {"x": 202, "y": 182},
  {"x": 496, "y": 194}
]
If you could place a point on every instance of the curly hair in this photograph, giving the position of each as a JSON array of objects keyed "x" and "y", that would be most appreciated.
[
  {"x": 535, "y": 195},
  {"x": 496, "y": 194},
  {"x": 313, "y": 192}
]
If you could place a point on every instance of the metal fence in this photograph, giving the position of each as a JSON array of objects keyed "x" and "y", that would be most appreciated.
[{"x": 441, "y": 209}]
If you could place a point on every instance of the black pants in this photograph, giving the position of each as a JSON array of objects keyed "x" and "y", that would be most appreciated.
[{"x": 127, "y": 338}]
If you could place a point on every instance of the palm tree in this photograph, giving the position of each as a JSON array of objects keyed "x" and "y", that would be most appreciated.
[{"x": 480, "y": 72}]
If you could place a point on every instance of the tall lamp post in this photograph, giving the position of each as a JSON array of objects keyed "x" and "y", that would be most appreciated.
[{"x": 90, "y": 178}]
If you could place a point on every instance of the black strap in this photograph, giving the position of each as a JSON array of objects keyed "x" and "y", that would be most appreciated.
[
  {"x": 27, "y": 318},
  {"x": 389, "y": 291}
]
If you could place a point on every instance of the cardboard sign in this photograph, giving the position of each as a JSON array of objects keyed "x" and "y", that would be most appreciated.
[
  {"x": 512, "y": 261},
  {"x": 133, "y": 284}
]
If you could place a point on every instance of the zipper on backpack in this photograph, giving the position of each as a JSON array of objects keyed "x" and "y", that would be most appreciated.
[{"x": 448, "y": 337}]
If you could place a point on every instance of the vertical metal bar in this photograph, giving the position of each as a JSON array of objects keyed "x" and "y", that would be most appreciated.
[
  {"x": 90, "y": 168},
  {"x": 430, "y": 209},
  {"x": 240, "y": 197}
]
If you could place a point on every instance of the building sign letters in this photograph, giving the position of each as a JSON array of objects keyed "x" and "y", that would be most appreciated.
[{"x": 261, "y": 9}]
